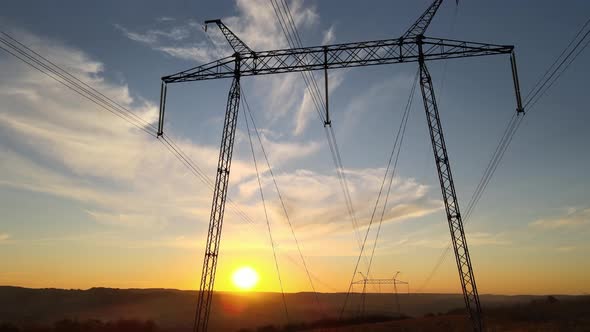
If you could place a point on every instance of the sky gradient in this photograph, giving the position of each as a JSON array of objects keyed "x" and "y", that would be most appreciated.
[{"x": 88, "y": 200}]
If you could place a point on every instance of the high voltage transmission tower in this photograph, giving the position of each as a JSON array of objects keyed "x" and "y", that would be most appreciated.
[
  {"x": 412, "y": 46},
  {"x": 391, "y": 281}
]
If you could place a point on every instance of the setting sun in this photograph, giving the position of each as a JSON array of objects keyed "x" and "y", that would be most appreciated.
[{"x": 245, "y": 278}]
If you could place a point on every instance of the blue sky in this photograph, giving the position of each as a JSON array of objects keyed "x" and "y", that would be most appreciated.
[{"x": 88, "y": 201}]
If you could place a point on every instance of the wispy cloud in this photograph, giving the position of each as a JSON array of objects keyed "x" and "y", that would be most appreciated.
[
  {"x": 199, "y": 52},
  {"x": 4, "y": 237},
  {"x": 566, "y": 249},
  {"x": 315, "y": 199},
  {"x": 146, "y": 38},
  {"x": 165, "y": 19},
  {"x": 131, "y": 220},
  {"x": 183, "y": 40},
  {"x": 329, "y": 36},
  {"x": 305, "y": 112},
  {"x": 440, "y": 239},
  {"x": 572, "y": 219},
  {"x": 255, "y": 23},
  {"x": 485, "y": 238},
  {"x": 153, "y": 35},
  {"x": 56, "y": 143}
]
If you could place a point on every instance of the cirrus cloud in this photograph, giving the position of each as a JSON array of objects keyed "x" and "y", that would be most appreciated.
[
  {"x": 574, "y": 218},
  {"x": 55, "y": 142}
]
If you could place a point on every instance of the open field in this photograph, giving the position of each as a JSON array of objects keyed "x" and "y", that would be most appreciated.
[{"x": 173, "y": 310}]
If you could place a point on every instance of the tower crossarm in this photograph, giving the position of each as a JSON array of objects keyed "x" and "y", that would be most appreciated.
[
  {"x": 234, "y": 41},
  {"x": 379, "y": 282},
  {"x": 422, "y": 23},
  {"x": 378, "y": 52}
]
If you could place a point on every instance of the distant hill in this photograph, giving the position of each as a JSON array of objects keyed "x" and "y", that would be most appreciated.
[
  {"x": 549, "y": 314},
  {"x": 174, "y": 309}
]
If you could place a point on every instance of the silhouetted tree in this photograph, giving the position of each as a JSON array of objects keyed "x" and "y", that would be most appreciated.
[
  {"x": 267, "y": 328},
  {"x": 91, "y": 325},
  {"x": 68, "y": 325},
  {"x": 6, "y": 327}
]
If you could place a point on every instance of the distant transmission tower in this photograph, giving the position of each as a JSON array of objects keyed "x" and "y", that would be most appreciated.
[{"x": 392, "y": 281}]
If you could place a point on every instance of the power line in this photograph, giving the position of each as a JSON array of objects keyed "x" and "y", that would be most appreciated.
[
  {"x": 480, "y": 188},
  {"x": 543, "y": 78},
  {"x": 74, "y": 78},
  {"x": 60, "y": 78},
  {"x": 545, "y": 82},
  {"x": 533, "y": 102},
  {"x": 280, "y": 198},
  {"x": 539, "y": 89},
  {"x": 399, "y": 136},
  {"x": 273, "y": 178},
  {"x": 312, "y": 86},
  {"x": 396, "y": 147},
  {"x": 293, "y": 39},
  {"x": 266, "y": 217},
  {"x": 298, "y": 37},
  {"x": 202, "y": 176},
  {"x": 324, "y": 283},
  {"x": 291, "y": 33},
  {"x": 361, "y": 54},
  {"x": 446, "y": 62},
  {"x": 65, "y": 78},
  {"x": 331, "y": 136}
]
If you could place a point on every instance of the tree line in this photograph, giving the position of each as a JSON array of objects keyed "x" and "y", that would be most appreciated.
[{"x": 91, "y": 325}]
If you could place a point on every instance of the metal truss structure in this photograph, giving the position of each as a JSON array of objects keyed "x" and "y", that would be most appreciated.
[
  {"x": 413, "y": 46},
  {"x": 392, "y": 281},
  {"x": 378, "y": 52},
  {"x": 218, "y": 206}
]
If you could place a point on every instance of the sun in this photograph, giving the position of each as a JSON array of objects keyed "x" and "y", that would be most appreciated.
[{"x": 245, "y": 278}]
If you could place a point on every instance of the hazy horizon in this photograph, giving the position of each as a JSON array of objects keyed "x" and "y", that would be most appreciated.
[{"x": 359, "y": 291}]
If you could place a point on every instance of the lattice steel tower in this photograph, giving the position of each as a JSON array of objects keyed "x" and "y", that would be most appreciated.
[{"x": 413, "y": 46}]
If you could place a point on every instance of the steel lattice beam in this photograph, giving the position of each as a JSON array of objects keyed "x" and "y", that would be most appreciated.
[
  {"x": 218, "y": 207},
  {"x": 422, "y": 23},
  {"x": 379, "y": 52},
  {"x": 236, "y": 43},
  {"x": 379, "y": 281},
  {"x": 393, "y": 281},
  {"x": 449, "y": 194}
]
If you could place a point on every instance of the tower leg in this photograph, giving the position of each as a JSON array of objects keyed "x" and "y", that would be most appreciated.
[
  {"x": 364, "y": 298},
  {"x": 217, "y": 208},
  {"x": 450, "y": 199},
  {"x": 399, "y": 310}
]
